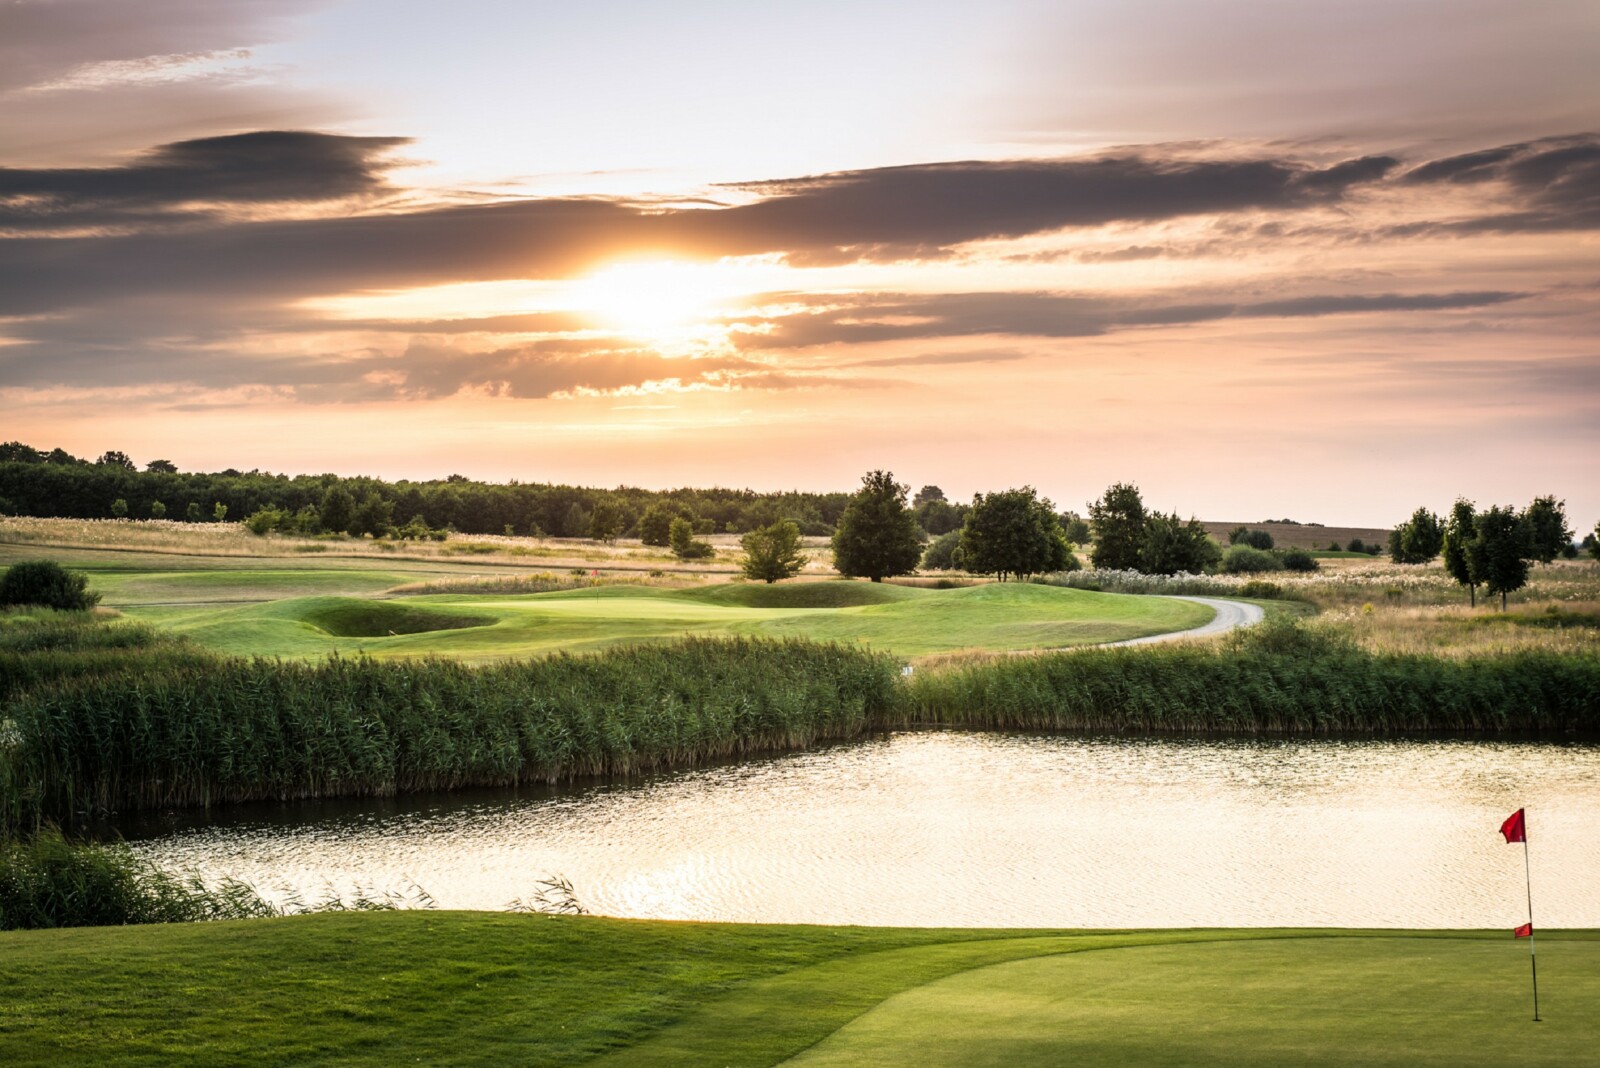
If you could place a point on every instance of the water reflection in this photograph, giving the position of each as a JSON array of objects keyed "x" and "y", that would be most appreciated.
[{"x": 947, "y": 828}]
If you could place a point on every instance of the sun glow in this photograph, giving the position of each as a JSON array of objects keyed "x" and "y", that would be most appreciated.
[{"x": 665, "y": 300}]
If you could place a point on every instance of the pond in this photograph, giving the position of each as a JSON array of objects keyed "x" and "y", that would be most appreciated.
[{"x": 977, "y": 829}]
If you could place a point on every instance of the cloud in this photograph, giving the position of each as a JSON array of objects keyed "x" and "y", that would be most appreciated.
[
  {"x": 897, "y": 317},
  {"x": 1552, "y": 183},
  {"x": 267, "y": 167}
]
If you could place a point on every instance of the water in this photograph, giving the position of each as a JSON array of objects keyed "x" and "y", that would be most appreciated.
[{"x": 964, "y": 829}]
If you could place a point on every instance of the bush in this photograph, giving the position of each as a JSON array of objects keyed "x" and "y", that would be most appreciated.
[
  {"x": 1247, "y": 560},
  {"x": 1299, "y": 560},
  {"x": 1257, "y": 590},
  {"x": 943, "y": 553},
  {"x": 264, "y": 521},
  {"x": 47, "y": 584}
]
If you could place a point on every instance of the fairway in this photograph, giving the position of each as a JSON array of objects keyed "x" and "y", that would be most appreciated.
[
  {"x": 904, "y": 620},
  {"x": 485, "y": 988}
]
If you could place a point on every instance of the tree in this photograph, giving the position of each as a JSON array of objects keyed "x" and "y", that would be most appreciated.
[
  {"x": 1459, "y": 530},
  {"x": 944, "y": 553},
  {"x": 1171, "y": 545},
  {"x": 374, "y": 515},
  {"x": 1593, "y": 542},
  {"x": 926, "y": 494},
  {"x": 1417, "y": 540},
  {"x": 773, "y": 552},
  {"x": 161, "y": 467},
  {"x": 655, "y": 525},
  {"x": 1075, "y": 528},
  {"x": 575, "y": 524},
  {"x": 938, "y": 516},
  {"x": 158, "y": 510},
  {"x": 119, "y": 508},
  {"x": 113, "y": 458},
  {"x": 47, "y": 584},
  {"x": 1547, "y": 530},
  {"x": 1356, "y": 546},
  {"x": 1014, "y": 532},
  {"x": 684, "y": 546},
  {"x": 1118, "y": 520},
  {"x": 1256, "y": 539},
  {"x": 605, "y": 522},
  {"x": 219, "y": 511},
  {"x": 876, "y": 537},
  {"x": 1499, "y": 552},
  {"x": 192, "y": 514},
  {"x": 15, "y": 452},
  {"x": 338, "y": 509},
  {"x": 1248, "y": 560}
]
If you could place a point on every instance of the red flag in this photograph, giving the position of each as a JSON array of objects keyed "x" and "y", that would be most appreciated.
[
  {"x": 1514, "y": 828},
  {"x": 1525, "y": 931}
]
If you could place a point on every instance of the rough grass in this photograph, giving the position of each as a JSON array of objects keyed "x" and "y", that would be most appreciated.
[{"x": 492, "y": 989}]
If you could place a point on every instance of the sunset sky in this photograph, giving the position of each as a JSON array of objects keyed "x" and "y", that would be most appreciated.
[{"x": 1265, "y": 259}]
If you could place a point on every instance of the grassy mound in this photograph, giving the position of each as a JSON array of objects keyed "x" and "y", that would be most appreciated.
[
  {"x": 345, "y": 617},
  {"x": 488, "y": 988}
]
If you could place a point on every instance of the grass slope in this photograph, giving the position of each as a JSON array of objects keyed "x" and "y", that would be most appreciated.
[
  {"x": 477, "y": 988},
  {"x": 907, "y": 621}
]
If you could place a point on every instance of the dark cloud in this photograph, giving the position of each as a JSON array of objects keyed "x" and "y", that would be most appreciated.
[
  {"x": 266, "y": 167},
  {"x": 891, "y": 317},
  {"x": 900, "y": 211},
  {"x": 1552, "y": 184}
]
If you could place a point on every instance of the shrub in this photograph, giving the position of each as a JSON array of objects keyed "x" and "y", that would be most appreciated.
[
  {"x": 943, "y": 553},
  {"x": 264, "y": 521},
  {"x": 1299, "y": 560},
  {"x": 684, "y": 546},
  {"x": 119, "y": 508},
  {"x": 47, "y": 584},
  {"x": 1245, "y": 559},
  {"x": 1257, "y": 590}
]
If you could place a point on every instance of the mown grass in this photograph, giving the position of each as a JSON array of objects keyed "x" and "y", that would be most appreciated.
[
  {"x": 492, "y": 989},
  {"x": 905, "y": 620}
]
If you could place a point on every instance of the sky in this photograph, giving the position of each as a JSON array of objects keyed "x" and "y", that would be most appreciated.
[{"x": 1263, "y": 258}]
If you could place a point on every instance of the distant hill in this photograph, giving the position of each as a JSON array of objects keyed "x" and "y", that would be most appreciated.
[{"x": 1300, "y": 535}]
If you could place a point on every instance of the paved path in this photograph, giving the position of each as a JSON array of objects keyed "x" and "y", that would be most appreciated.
[{"x": 1230, "y": 614}]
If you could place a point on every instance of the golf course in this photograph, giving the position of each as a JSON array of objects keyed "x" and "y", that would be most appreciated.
[{"x": 492, "y": 989}]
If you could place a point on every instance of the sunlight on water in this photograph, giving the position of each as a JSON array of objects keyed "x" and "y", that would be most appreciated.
[{"x": 985, "y": 830}]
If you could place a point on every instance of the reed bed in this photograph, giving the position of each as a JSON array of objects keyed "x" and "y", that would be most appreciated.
[
  {"x": 237, "y": 730},
  {"x": 1282, "y": 677}
]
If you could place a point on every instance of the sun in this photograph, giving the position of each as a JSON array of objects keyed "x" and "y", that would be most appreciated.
[{"x": 658, "y": 299}]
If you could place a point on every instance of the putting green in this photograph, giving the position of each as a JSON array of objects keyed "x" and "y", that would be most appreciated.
[
  {"x": 1333, "y": 1001},
  {"x": 903, "y": 620}
]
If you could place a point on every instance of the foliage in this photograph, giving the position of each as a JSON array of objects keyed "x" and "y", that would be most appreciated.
[
  {"x": 1546, "y": 530},
  {"x": 1014, "y": 532},
  {"x": 47, "y": 584},
  {"x": 1498, "y": 552},
  {"x": 1594, "y": 542},
  {"x": 1117, "y": 519},
  {"x": 191, "y": 512},
  {"x": 680, "y": 535},
  {"x": 606, "y": 520},
  {"x": 877, "y": 535},
  {"x": 655, "y": 525},
  {"x": 939, "y": 516},
  {"x": 1459, "y": 530},
  {"x": 265, "y": 520},
  {"x": 1076, "y": 528},
  {"x": 238, "y": 730},
  {"x": 1245, "y": 559},
  {"x": 944, "y": 553},
  {"x": 219, "y": 511},
  {"x": 1171, "y": 546},
  {"x": 119, "y": 509},
  {"x": 158, "y": 510},
  {"x": 773, "y": 553},
  {"x": 1417, "y": 540},
  {"x": 48, "y": 881},
  {"x": 1299, "y": 560},
  {"x": 114, "y": 458},
  {"x": 1257, "y": 539},
  {"x": 161, "y": 467},
  {"x": 1356, "y": 546},
  {"x": 338, "y": 508}
]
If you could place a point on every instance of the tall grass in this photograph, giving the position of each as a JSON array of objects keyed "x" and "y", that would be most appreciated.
[
  {"x": 236, "y": 730},
  {"x": 1279, "y": 677},
  {"x": 41, "y": 646}
]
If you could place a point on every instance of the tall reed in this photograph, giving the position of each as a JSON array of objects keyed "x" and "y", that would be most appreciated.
[{"x": 235, "y": 730}]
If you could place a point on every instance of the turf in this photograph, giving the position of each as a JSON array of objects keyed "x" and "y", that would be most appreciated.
[
  {"x": 902, "y": 620},
  {"x": 494, "y": 988}
]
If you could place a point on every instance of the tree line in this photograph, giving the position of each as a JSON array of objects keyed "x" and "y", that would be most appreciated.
[
  {"x": 1493, "y": 548},
  {"x": 56, "y": 483}
]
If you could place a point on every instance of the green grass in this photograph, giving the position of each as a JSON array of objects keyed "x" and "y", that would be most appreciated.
[
  {"x": 902, "y": 620},
  {"x": 491, "y": 989}
]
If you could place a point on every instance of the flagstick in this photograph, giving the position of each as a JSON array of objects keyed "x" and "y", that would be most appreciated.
[{"x": 1533, "y": 960}]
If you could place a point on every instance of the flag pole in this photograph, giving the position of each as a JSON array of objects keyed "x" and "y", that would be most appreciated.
[{"x": 1533, "y": 960}]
